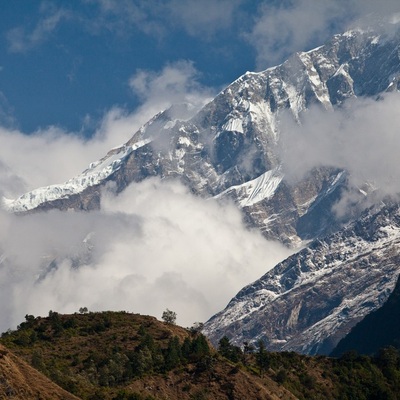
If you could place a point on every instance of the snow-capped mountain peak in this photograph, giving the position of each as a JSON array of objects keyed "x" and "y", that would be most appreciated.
[{"x": 96, "y": 173}]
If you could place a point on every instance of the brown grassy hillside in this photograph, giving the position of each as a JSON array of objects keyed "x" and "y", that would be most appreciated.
[
  {"x": 18, "y": 380},
  {"x": 128, "y": 356},
  {"x": 122, "y": 356}
]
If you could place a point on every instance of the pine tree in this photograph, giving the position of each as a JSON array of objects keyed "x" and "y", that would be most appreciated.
[
  {"x": 229, "y": 351},
  {"x": 169, "y": 317},
  {"x": 262, "y": 357},
  {"x": 173, "y": 354}
]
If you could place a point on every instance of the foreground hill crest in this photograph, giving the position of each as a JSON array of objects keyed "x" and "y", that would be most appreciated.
[
  {"x": 118, "y": 355},
  {"x": 97, "y": 355}
]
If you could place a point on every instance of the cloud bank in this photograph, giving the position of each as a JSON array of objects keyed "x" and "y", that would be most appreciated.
[
  {"x": 152, "y": 247},
  {"x": 362, "y": 138}
]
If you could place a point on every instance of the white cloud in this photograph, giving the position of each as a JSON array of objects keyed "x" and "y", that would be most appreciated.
[
  {"x": 361, "y": 138},
  {"x": 176, "y": 83},
  {"x": 291, "y": 26},
  {"x": 154, "y": 246}
]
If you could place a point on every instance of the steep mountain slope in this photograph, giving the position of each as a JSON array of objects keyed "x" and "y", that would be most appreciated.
[
  {"x": 230, "y": 147},
  {"x": 312, "y": 299},
  {"x": 380, "y": 328},
  {"x": 18, "y": 380}
]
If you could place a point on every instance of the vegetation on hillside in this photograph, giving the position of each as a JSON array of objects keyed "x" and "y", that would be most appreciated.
[
  {"x": 351, "y": 376},
  {"x": 117, "y": 355},
  {"x": 89, "y": 351},
  {"x": 19, "y": 381}
]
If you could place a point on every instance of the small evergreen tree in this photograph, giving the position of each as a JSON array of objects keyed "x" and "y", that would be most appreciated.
[
  {"x": 229, "y": 351},
  {"x": 173, "y": 354},
  {"x": 262, "y": 357},
  {"x": 55, "y": 321},
  {"x": 143, "y": 362},
  {"x": 169, "y": 316},
  {"x": 200, "y": 348}
]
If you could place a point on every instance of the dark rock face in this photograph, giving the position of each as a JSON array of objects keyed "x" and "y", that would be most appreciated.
[{"x": 379, "y": 329}]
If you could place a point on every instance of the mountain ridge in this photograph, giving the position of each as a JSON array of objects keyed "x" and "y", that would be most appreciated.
[
  {"x": 123, "y": 356},
  {"x": 119, "y": 355},
  {"x": 233, "y": 140}
]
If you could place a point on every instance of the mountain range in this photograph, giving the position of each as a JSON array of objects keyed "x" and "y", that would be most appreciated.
[{"x": 230, "y": 149}]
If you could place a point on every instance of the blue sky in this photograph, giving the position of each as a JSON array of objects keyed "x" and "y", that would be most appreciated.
[{"x": 68, "y": 63}]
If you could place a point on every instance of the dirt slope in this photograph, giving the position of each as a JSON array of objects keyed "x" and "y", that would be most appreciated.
[{"x": 20, "y": 381}]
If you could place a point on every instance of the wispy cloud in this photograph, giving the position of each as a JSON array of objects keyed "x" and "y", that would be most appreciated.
[
  {"x": 121, "y": 17},
  {"x": 21, "y": 40},
  {"x": 6, "y": 111},
  {"x": 361, "y": 137},
  {"x": 285, "y": 27},
  {"x": 204, "y": 18},
  {"x": 175, "y": 83}
]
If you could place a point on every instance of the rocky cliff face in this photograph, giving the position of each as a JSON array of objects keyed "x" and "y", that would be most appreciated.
[{"x": 230, "y": 147}]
